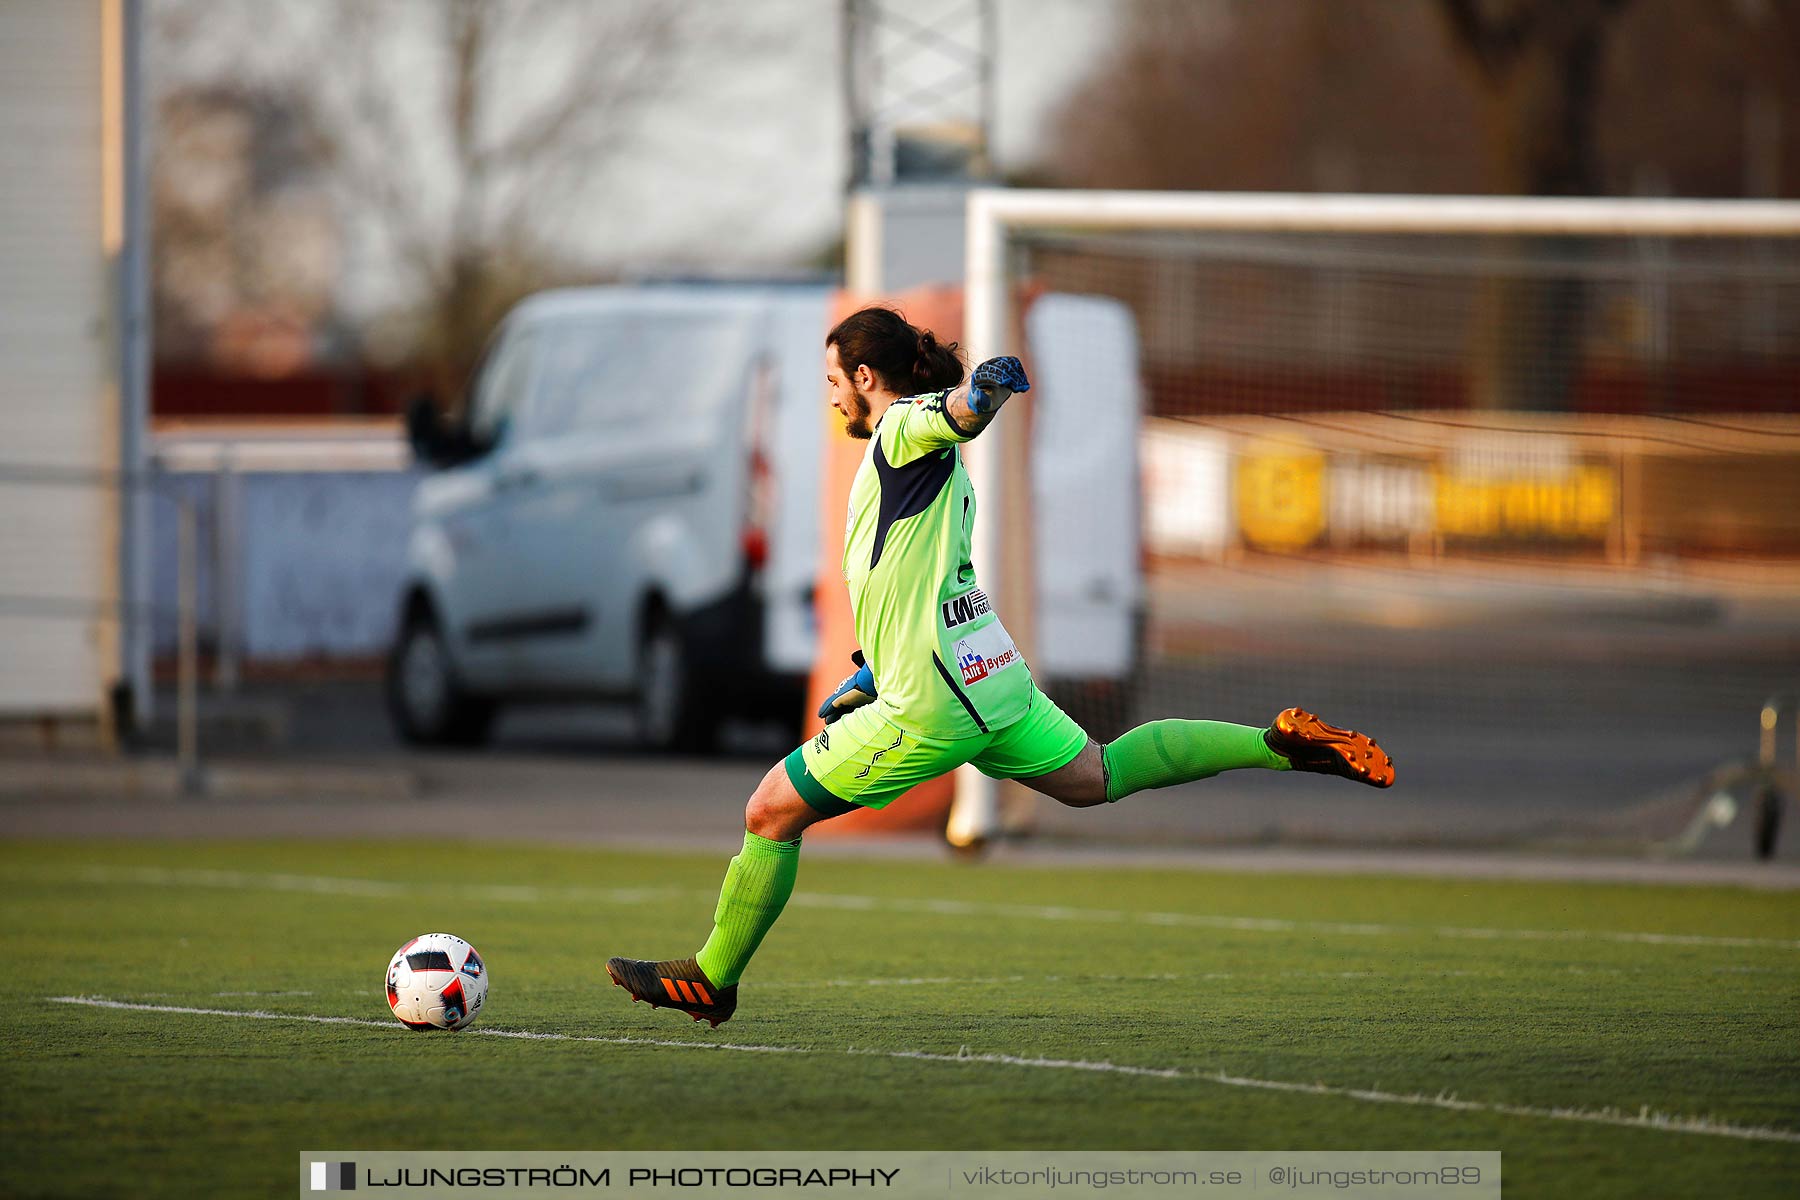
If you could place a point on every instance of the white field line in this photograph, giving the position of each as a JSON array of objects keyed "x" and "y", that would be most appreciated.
[
  {"x": 533, "y": 894},
  {"x": 968, "y": 980},
  {"x": 330, "y": 885},
  {"x": 926, "y": 981},
  {"x": 957, "y": 981},
  {"x": 1645, "y": 1118},
  {"x": 972, "y": 980}
]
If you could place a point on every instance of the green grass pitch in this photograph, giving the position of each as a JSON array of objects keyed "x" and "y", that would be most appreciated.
[{"x": 925, "y": 1005}]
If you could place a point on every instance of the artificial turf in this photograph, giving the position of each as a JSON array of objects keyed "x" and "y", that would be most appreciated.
[{"x": 1522, "y": 997}]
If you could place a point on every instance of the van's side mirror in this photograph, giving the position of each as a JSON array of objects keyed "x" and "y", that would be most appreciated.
[{"x": 425, "y": 431}]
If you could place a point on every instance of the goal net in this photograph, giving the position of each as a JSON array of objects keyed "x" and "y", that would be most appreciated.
[{"x": 1513, "y": 485}]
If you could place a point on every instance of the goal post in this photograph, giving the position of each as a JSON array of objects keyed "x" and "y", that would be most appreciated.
[{"x": 998, "y": 220}]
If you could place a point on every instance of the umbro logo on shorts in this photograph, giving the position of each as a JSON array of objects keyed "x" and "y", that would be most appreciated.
[
  {"x": 960, "y": 610},
  {"x": 822, "y": 743}
]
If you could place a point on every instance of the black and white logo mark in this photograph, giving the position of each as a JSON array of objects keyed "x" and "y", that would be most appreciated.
[{"x": 960, "y": 610}]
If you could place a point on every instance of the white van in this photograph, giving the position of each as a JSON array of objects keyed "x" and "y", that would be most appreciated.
[
  {"x": 606, "y": 524},
  {"x": 630, "y": 511}
]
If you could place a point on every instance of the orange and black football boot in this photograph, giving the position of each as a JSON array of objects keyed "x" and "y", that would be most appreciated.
[
  {"x": 679, "y": 984},
  {"x": 1312, "y": 745}
]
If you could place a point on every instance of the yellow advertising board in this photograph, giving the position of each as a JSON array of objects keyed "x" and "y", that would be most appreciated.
[
  {"x": 1576, "y": 503},
  {"x": 1280, "y": 495}
]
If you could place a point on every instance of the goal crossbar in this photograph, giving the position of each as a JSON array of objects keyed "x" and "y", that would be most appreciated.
[{"x": 1326, "y": 213}]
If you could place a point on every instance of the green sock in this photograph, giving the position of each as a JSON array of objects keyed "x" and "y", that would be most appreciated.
[
  {"x": 1160, "y": 753},
  {"x": 757, "y": 886}
]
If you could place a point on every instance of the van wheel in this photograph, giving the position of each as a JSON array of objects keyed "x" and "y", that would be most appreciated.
[
  {"x": 424, "y": 701},
  {"x": 672, "y": 713}
]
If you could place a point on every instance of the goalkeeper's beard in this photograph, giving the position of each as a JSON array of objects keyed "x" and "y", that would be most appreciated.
[{"x": 856, "y": 424}]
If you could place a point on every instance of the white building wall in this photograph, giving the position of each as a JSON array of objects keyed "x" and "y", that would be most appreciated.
[{"x": 58, "y": 585}]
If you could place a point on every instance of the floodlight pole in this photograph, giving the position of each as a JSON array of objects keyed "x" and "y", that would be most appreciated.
[{"x": 885, "y": 46}]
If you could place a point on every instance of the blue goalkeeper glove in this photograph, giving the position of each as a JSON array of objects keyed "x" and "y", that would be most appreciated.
[
  {"x": 994, "y": 381},
  {"x": 854, "y": 692}
]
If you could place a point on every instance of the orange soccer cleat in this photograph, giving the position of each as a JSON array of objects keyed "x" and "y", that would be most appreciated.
[{"x": 1312, "y": 745}]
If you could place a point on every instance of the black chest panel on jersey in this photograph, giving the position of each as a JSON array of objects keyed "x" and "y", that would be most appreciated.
[{"x": 907, "y": 491}]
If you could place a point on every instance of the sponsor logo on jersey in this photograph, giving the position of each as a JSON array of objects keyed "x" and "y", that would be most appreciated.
[
  {"x": 975, "y": 666},
  {"x": 987, "y": 651},
  {"x": 970, "y": 662},
  {"x": 960, "y": 610}
]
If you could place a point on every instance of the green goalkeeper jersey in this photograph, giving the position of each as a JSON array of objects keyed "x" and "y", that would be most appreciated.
[{"x": 943, "y": 663}]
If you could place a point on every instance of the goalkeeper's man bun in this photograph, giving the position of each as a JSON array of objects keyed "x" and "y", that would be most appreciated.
[{"x": 909, "y": 361}]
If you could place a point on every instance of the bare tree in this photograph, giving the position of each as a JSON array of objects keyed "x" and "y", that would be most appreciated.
[
  {"x": 1697, "y": 99},
  {"x": 245, "y": 253},
  {"x": 1539, "y": 64},
  {"x": 1508, "y": 96},
  {"x": 1253, "y": 96},
  {"x": 461, "y": 139},
  {"x": 469, "y": 130},
  {"x": 1360, "y": 95}
]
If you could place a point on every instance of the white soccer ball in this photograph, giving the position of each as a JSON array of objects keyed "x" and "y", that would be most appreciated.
[{"x": 437, "y": 981}]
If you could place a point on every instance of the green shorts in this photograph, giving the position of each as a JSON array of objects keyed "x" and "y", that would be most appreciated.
[{"x": 864, "y": 760}]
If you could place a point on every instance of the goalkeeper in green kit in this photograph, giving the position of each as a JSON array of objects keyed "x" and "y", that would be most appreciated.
[{"x": 938, "y": 681}]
